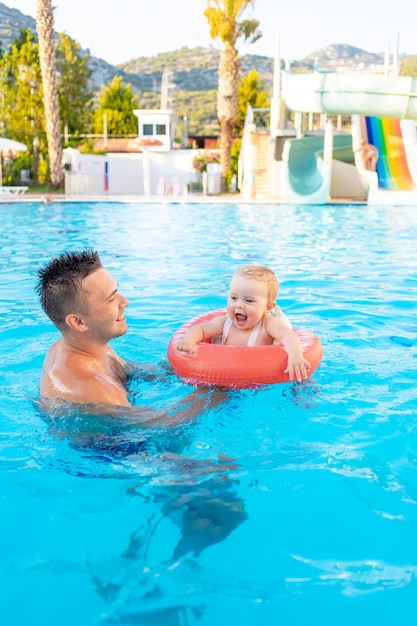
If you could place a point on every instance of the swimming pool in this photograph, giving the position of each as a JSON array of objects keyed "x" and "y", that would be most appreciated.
[{"x": 292, "y": 504}]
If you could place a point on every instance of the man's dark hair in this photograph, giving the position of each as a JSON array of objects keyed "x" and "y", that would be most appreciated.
[{"x": 59, "y": 284}]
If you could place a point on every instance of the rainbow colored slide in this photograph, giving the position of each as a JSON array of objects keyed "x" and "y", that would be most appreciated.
[{"x": 392, "y": 167}]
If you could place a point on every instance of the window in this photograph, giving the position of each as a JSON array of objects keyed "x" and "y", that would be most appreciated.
[
  {"x": 161, "y": 129},
  {"x": 147, "y": 129}
]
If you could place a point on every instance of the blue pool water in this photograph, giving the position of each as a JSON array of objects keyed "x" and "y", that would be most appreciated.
[{"x": 287, "y": 505}]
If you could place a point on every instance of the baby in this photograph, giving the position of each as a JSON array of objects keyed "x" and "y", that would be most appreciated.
[{"x": 252, "y": 319}]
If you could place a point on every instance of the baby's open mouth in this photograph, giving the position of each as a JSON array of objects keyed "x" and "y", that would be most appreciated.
[{"x": 241, "y": 318}]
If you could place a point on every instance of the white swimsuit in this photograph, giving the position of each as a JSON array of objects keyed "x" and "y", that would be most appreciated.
[{"x": 255, "y": 330}]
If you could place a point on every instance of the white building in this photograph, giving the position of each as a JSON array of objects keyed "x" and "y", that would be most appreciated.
[{"x": 156, "y": 125}]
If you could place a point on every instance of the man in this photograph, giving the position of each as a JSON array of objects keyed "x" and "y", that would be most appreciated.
[{"x": 82, "y": 299}]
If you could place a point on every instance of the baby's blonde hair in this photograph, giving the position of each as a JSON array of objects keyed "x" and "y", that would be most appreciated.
[{"x": 264, "y": 274}]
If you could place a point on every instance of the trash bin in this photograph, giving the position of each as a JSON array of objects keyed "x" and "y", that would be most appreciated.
[{"x": 214, "y": 179}]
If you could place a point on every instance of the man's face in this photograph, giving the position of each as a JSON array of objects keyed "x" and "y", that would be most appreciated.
[{"x": 103, "y": 310}]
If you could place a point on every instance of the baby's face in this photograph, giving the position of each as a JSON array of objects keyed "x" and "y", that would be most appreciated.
[{"x": 247, "y": 302}]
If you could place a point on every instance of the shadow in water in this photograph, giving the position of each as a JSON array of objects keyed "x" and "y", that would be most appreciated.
[
  {"x": 147, "y": 582},
  {"x": 202, "y": 499},
  {"x": 206, "y": 513}
]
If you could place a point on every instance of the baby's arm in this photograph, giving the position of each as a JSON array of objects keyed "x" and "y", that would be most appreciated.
[
  {"x": 297, "y": 365},
  {"x": 200, "y": 332}
]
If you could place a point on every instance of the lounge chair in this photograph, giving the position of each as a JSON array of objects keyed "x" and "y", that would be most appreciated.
[{"x": 12, "y": 190}]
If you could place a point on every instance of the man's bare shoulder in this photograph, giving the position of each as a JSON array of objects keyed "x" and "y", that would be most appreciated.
[
  {"x": 65, "y": 362},
  {"x": 79, "y": 377}
]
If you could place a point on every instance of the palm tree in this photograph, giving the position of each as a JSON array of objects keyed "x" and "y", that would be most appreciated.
[
  {"x": 225, "y": 21},
  {"x": 47, "y": 57}
]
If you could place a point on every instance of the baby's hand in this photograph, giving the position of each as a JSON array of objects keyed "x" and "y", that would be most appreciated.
[
  {"x": 185, "y": 345},
  {"x": 297, "y": 367}
]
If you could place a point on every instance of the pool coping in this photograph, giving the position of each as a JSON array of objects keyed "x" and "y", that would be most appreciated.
[{"x": 50, "y": 197}]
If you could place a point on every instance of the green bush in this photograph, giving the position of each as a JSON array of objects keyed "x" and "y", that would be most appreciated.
[{"x": 201, "y": 161}]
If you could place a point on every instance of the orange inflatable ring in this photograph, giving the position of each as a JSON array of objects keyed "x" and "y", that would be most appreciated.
[{"x": 237, "y": 367}]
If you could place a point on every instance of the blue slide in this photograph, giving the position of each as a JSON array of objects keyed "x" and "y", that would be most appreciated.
[{"x": 307, "y": 176}]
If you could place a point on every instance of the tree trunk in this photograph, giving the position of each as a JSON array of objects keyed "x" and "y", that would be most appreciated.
[
  {"x": 226, "y": 140},
  {"x": 47, "y": 56},
  {"x": 227, "y": 104}
]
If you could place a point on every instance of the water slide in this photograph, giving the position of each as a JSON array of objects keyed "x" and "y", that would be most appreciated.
[
  {"x": 386, "y": 135},
  {"x": 379, "y": 103},
  {"x": 308, "y": 177}
]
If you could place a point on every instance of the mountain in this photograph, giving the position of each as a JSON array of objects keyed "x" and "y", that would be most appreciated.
[
  {"x": 191, "y": 69},
  {"x": 12, "y": 21},
  {"x": 348, "y": 57},
  {"x": 190, "y": 75}
]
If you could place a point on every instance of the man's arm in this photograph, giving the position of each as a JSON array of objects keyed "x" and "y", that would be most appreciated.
[
  {"x": 187, "y": 409},
  {"x": 76, "y": 378}
]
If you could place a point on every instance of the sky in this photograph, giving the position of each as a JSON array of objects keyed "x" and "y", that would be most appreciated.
[{"x": 121, "y": 30}]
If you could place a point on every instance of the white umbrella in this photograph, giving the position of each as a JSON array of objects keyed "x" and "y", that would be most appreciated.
[{"x": 10, "y": 145}]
